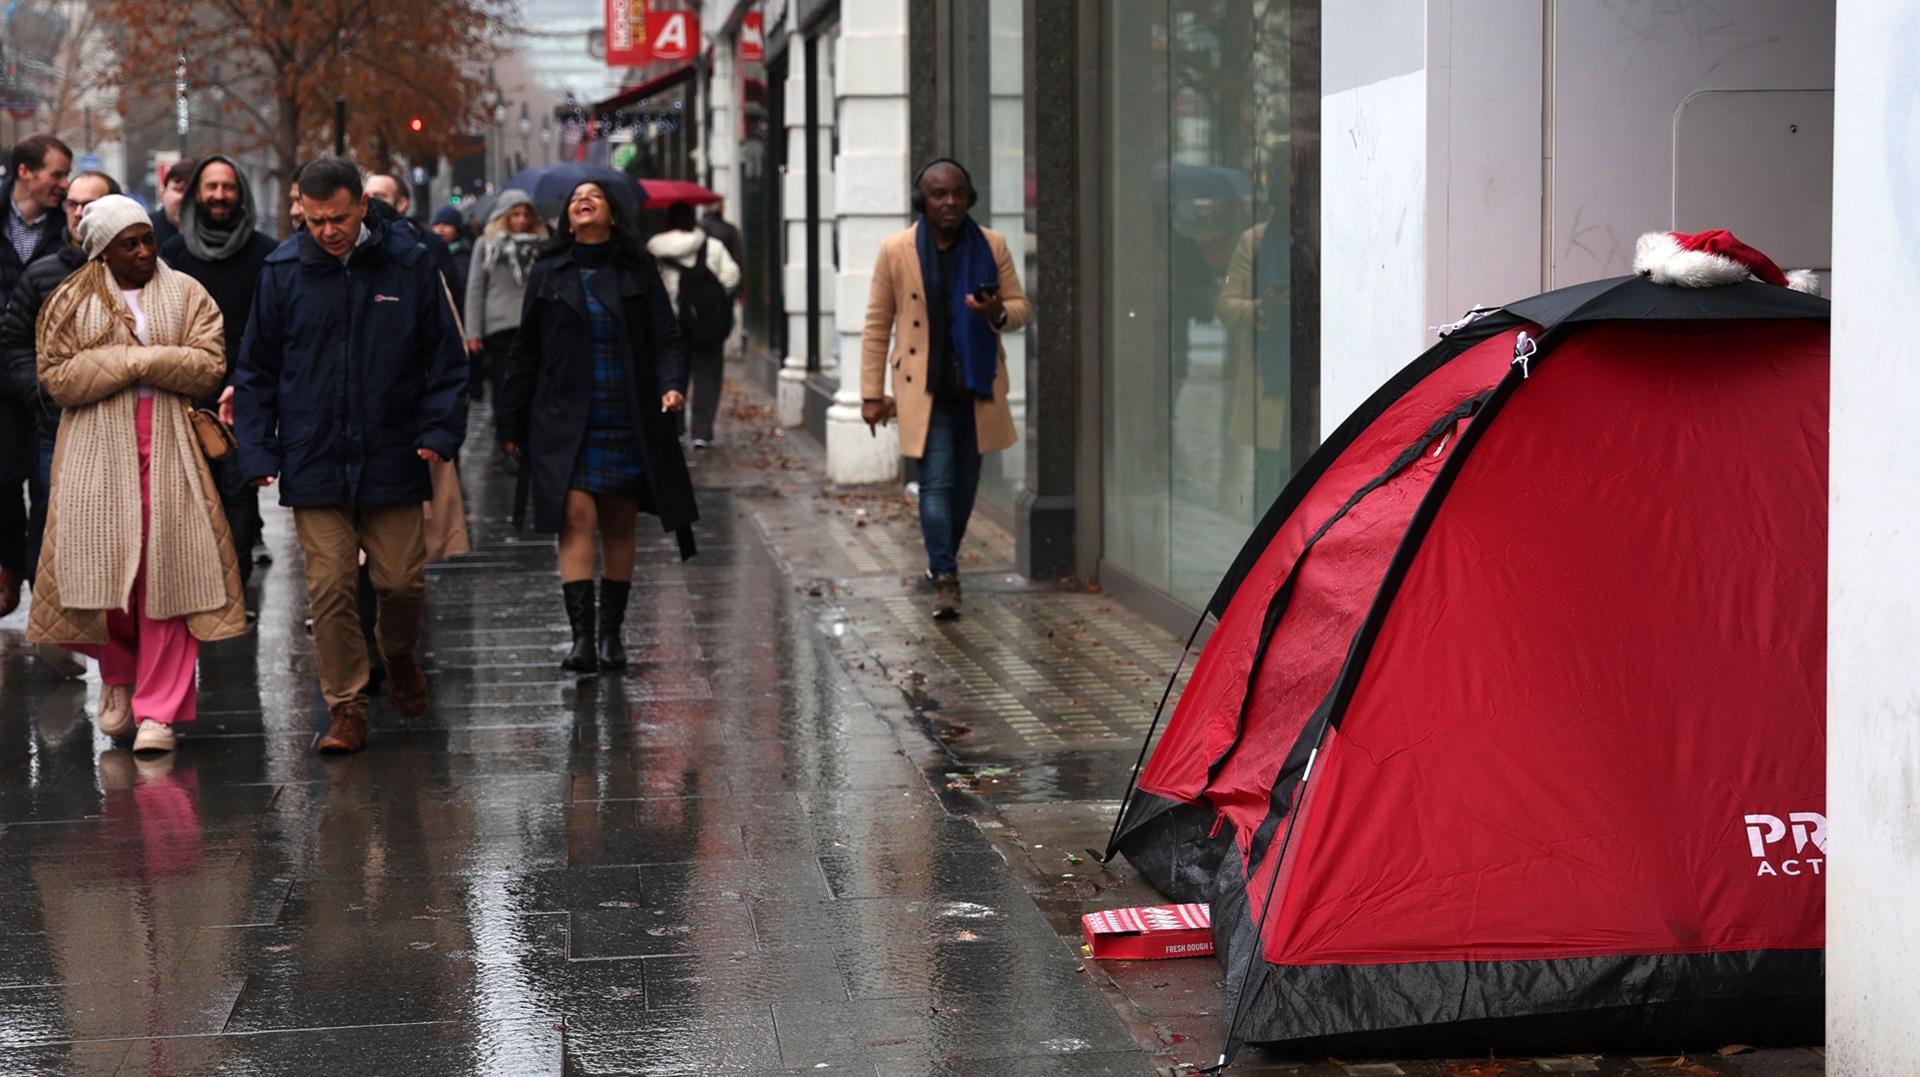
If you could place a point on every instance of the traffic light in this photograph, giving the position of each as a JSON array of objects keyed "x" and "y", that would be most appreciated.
[{"x": 417, "y": 124}]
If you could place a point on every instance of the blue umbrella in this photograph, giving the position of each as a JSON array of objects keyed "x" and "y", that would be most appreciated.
[
  {"x": 549, "y": 185},
  {"x": 1193, "y": 183}
]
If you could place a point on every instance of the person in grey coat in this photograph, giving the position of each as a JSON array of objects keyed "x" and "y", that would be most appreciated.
[{"x": 497, "y": 283}]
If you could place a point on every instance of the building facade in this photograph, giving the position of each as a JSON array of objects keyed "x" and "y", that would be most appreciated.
[{"x": 1236, "y": 217}]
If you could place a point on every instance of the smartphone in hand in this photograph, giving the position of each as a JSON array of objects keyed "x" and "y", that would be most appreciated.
[{"x": 986, "y": 291}]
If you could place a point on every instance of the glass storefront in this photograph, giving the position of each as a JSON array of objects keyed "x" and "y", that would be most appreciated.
[
  {"x": 1203, "y": 384},
  {"x": 987, "y": 62}
]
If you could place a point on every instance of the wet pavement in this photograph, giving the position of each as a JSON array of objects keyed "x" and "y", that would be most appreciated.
[{"x": 808, "y": 831}]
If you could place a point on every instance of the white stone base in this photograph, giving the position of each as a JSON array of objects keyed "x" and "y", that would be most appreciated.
[
  {"x": 856, "y": 456},
  {"x": 790, "y": 401}
]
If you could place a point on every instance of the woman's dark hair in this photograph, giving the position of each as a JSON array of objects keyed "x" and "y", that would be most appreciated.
[
  {"x": 626, "y": 240},
  {"x": 319, "y": 178},
  {"x": 680, "y": 217}
]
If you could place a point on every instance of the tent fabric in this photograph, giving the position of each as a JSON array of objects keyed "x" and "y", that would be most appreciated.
[{"x": 1492, "y": 709}]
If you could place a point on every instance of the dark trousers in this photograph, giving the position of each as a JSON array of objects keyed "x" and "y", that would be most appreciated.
[
  {"x": 18, "y": 455},
  {"x": 707, "y": 368},
  {"x": 40, "y": 488},
  {"x": 240, "y": 503},
  {"x": 949, "y": 477},
  {"x": 490, "y": 366}
]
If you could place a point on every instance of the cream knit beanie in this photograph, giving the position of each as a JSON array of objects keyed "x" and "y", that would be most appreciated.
[{"x": 105, "y": 218}]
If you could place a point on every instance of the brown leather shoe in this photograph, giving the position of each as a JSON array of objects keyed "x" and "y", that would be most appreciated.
[
  {"x": 406, "y": 685},
  {"x": 9, "y": 591},
  {"x": 348, "y": 733}
]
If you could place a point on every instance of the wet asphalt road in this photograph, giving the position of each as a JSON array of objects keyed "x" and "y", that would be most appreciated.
[{"x": 722, "y": 861}]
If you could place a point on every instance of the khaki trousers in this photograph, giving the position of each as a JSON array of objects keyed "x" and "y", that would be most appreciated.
[{"x": 394, "y": 538}]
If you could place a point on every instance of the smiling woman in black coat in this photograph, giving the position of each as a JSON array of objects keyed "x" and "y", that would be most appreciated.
[{"x": 593, "y": 380}]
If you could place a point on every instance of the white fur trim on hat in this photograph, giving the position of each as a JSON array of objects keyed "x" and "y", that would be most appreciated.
[
  {"x": 1804, "y": 280},
  {"x": 105, "y": 218},
  {"x": 1658, "y": 255}
]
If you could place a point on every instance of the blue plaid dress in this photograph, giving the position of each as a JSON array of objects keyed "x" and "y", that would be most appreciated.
[{"x": 609, "y": 460}]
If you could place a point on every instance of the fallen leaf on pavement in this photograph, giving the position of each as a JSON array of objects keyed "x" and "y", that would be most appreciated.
[{"x": 1735, "y": 1049}]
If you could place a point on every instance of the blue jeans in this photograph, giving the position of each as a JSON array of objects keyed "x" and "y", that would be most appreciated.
[{"x": 949, "y": 476}]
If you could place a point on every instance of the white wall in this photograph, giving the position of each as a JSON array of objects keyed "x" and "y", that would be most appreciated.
[
  {"x": 1373, "y": 225},
  {"x": 1464, "y": 162},
  {"x": 1621, "y": 71},
  {"x": 1873, "y": 702}
]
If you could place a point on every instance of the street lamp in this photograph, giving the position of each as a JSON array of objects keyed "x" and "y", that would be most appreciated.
[
  {"x": 526, "y": 128},
  {"x": 495, "y": 103},
  {"x": 546, "y": 140}
]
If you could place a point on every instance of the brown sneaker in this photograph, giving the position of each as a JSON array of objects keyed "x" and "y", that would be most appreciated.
[
  {"x": 946, "y": 597},
  {"x": 406, "y": 685},
  {"x": 348, "y": 733}
]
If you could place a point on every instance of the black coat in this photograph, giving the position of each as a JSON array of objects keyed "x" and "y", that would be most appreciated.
[
  {"x": 17, "y": 344},
  {"x": 231, "y": 282},
  {"x": 52, "y": 233},
  {"x": 548, "y": 390},
  {"x": 346, "y": 370}
]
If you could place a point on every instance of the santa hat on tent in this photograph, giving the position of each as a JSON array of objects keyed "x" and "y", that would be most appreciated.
[{"x": 1710, "y": 259}]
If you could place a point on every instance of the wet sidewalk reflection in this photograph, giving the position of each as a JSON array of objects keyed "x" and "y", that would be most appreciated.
[{"x": 722, "y": 861}]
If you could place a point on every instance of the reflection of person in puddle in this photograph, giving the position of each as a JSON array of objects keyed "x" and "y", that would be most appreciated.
[{"x": 1254, "y": 305}]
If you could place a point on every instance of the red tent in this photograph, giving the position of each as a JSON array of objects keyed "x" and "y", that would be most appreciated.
[{"x": 1512, "y": 728}]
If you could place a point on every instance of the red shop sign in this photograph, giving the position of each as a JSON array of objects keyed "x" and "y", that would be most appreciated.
[
  {"x": 676, "y": 34},
  {"x": 627, "y": 34},
  {"x": 753, "y": 42}
]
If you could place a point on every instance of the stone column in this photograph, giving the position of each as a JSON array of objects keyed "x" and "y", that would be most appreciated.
[
  {"x": 790, "y": 401},
  {"x": 870, "y": 196},
  {"x": 1045, "y": 515},
  {"x": 1873, "y": 585}
]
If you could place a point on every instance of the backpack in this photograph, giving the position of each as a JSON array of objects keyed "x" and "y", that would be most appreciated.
[{"x": 706, "y": 311}]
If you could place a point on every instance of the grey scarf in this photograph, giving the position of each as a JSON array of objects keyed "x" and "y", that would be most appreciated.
[
  {"x": 205, "y": 240},
  {"x": 517, "y": 249}
]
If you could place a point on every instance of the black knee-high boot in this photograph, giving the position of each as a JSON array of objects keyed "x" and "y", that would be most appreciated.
[
  {"x": 579, "y": 598},
  {"x": 613, "y": 614}
]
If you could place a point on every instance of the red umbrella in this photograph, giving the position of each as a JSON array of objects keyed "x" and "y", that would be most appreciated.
[{"x": 662, "y": 193}]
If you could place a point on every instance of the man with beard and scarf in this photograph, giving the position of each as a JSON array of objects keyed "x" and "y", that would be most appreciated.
[{"x": 219, "y": 246}]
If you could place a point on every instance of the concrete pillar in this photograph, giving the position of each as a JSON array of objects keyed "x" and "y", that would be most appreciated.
[
  {"x": 790, "y": 400},
  {"x": 870, "y": 196},
  {"x": 1873, "y": 611}
]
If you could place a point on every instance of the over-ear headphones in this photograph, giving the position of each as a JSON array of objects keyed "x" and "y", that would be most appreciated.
[{"x": 918, "y": 198}]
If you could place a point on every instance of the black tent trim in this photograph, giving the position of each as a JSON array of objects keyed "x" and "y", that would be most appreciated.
[{"x": 1761, "y": 997}]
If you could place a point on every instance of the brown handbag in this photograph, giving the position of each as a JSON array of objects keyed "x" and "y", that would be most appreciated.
[{"x": 214, "y": 436}]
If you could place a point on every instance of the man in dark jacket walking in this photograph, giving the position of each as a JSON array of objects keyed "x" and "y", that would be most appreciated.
[
  {"x": 219, "y": 246},
  {"x": 22, "y": 353},
  {"x": 351, "y": 378},
  {"x": 34, "y": 187}
]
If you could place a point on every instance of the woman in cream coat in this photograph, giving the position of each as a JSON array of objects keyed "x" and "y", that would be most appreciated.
[{"x": 137, "y": 566}]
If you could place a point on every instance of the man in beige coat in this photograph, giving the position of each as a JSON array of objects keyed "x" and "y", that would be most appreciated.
[{"x": 943, "y": 292}]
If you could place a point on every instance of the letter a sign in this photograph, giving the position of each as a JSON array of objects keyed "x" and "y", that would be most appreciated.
[
  {"x": 676, "y": 34},
  {"x": 627, "y": 34}
]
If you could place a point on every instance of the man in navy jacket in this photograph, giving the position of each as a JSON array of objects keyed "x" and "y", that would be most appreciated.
[{"x": 351, "y": 378}]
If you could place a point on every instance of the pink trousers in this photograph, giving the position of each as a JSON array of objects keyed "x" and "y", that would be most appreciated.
[{"x": 156, "y": 657}]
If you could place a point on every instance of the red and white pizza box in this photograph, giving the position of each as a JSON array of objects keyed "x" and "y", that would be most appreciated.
[{"x": 1150, "y": 931}]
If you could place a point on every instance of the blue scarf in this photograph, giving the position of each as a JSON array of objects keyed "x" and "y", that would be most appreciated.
[{"x": 975, "y": 343}]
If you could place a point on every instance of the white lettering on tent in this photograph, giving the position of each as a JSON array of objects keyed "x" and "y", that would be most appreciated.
[
  {"x": 1773, "y": 828},
  {"x": 1801, "y": 835},
  {"x": 1807, "y": 828}
]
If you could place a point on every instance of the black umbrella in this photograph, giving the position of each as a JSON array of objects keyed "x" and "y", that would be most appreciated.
[{"x": 549, "y": 185}]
